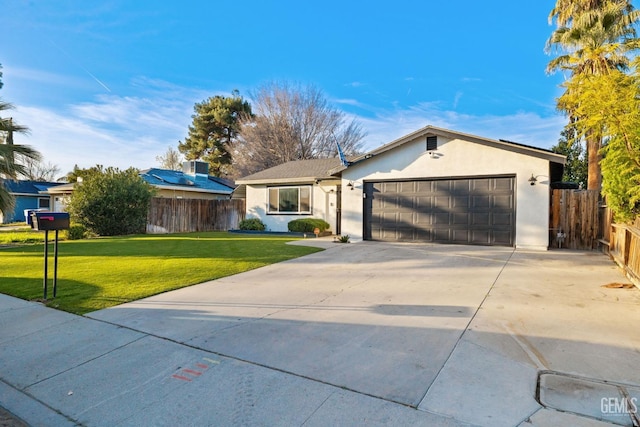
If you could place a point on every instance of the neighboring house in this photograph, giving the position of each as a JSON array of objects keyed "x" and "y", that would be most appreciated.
[
  {"x": 433, "y": 185},
  {"x": 193, "y": 182},
  {"x": 60, "y": 196},
  {"x": 28, "y": 195},
  {"x": 293, "y": 190}
]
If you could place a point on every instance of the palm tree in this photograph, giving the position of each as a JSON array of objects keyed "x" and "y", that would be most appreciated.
[
  {"x": 594, "y": 37},
  {"x": 9, "y": 168},
  {"x": 566, "y": 10}
]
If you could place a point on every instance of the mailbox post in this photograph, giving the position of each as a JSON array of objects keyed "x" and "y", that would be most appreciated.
[{"x": 50, "y": 221}]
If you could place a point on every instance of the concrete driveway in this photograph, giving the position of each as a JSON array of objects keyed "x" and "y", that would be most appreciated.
[
  {"x": 378, "y": 319},
  {"x": 367, "y": 333}
]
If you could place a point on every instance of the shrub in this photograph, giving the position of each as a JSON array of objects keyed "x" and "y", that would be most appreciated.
[
  {"x": 307, "y": 225},
  {"x": 76, "y": 232},
  {"x": 344, "y": 239},
  {"x": 110, "y": 202},
  {"x": 252, "y": 224}
]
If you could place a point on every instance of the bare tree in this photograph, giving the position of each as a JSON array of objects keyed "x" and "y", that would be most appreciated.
[
  {"x": 292, "y": 122},
  {"x": 36, "y": 170},
  {"x": 171, "y": 159}
]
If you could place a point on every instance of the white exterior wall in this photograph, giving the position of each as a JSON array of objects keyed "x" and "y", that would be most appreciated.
[
  {"x": 323, "y": 206},
  {"x": 456, "y": 158}
]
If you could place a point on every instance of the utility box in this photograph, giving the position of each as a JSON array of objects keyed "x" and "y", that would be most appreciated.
[{"x": 46, "y": 221}]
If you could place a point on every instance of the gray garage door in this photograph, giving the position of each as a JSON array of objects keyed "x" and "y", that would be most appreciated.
[{"x": 470, "y": 211}]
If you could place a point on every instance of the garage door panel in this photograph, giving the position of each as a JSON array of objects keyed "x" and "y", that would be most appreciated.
[
  {"x": 480, "y": 202},
  {"x": 405, "y": 219},
  {"x": 403, "y": 202},
  {"x": 423, "y": 203},
  {"x": 390, "y": 187},
  {"x": 480, "y": 185},
  {"x": 442, "y": 187},
  {"x": 503, "y": 184},
  {"x": 459, "y": 236},
  {"x": 404, "y": 234},
  {"x": 460, "y": 203},
  {"x": 407, "y": 187},
  {"x": 502, "y": 238},
  {"x": 481, "y": 237},
  {"x": 441, "y": 202},
  {"x": 422, "y": 219},
  {"x": 423, "y": 235},
  {"x": 503, "y": 202},
  {"x": 460, "y": 218},
  {"x": 472, "y": 211},
  {"x": 440, "y": 218},
  {"x": 460, "y": 187},
  {"x": 504, "y": 219},
  {"x": 480, "y": 219},
  {"x": 441, "y": 235},
  {"x": 424, "y": 186}
]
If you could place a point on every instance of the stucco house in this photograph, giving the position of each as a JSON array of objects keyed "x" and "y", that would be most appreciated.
[
  {"x": 28, "y": 195},
  {"x": 432, "y": 185},
  {"x": 292, "y": 190}
]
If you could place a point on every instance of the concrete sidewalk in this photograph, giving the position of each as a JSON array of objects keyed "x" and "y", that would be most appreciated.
[{"x": 360, "y": 334}]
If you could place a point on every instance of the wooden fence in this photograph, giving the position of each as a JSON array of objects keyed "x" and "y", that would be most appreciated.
[
  {"x": 624, "y": 248},
  {"x": 578, "y": 216},
  {"x": 588, "y": 224},
  {"x": 167, "y": 215}
]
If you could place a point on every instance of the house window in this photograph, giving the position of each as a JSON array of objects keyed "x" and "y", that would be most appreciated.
[
  {"x": 291, "y": 200},
  {"x": 43, "y": 203}
]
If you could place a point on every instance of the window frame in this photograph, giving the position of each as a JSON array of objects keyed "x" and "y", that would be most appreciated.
[
  {"x": 43, "y": 199},
  {"x": 278, "y": 203}
]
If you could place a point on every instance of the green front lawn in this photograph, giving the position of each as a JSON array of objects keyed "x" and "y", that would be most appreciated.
[
  {"x": 24, "y": 235},
  {"x": 99, "y": 273}
]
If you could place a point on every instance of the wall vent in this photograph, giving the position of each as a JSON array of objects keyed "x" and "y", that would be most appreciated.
[{"x": 432, "y": 143}]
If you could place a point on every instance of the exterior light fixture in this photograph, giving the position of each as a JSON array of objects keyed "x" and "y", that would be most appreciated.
[
  {"x": 350, "y": 185},
  {"x": 532, "y": 180}
]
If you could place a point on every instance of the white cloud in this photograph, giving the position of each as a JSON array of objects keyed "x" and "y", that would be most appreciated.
[
  {"x": 456, "y": 99},
  {"x": 15, "y": 77},
  {"x": 124, "y": 131},
  {"x": 347, "y": 101},
  {"x": 111, "y": 130}
]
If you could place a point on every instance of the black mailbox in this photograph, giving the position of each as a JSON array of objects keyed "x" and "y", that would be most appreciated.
[{"x": 45, "y": 221}]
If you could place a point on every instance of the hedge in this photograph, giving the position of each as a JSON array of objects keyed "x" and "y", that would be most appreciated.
[
  {"x": 307, "y": 225},
  {"x": 252, "y": 224}
]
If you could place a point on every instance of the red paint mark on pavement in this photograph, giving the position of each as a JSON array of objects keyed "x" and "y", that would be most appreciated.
[
  {"x": 202, "y": 366},
  {"x": 192, "y": 372},
  {"x": 180, "y": 377}
]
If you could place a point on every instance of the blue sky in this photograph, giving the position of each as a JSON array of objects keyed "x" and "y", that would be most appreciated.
[{"x": 114, "y": 82}]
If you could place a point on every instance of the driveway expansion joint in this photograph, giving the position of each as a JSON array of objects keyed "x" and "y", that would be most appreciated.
[
  {"x": 87, "y": 361},
  {"x": 468, "y": 325},
  {"x": 249, "y": 362},
  {"x": 49, "y": 407}
]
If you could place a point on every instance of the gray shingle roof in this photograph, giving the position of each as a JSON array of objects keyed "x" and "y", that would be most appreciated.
[{"x": 298, "y": 170}]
